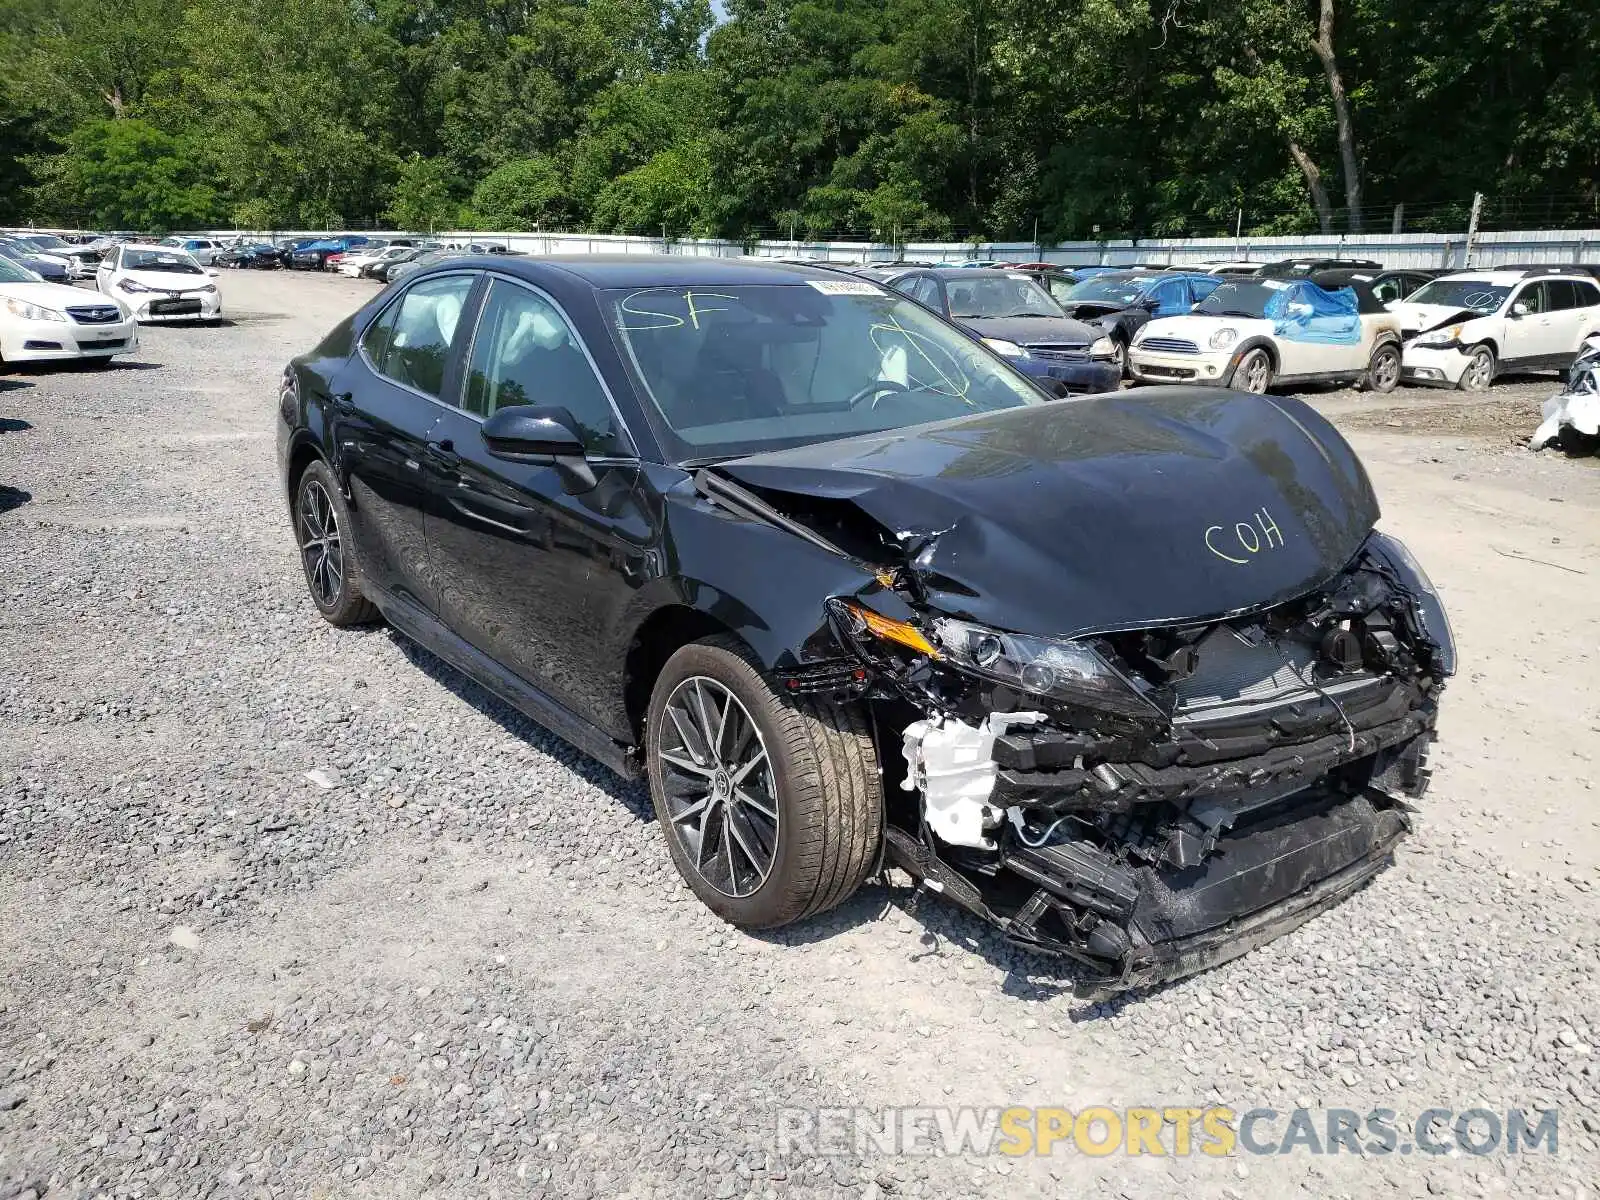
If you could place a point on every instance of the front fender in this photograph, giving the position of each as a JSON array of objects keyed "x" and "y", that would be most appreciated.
[{"x": 765, "y": 585}]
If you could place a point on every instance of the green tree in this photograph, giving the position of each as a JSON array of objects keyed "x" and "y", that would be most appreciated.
[
  {"x": 425, "y": 195},
  {"x": 129, "y": 175},
  {"x": 524, "y": 194}
]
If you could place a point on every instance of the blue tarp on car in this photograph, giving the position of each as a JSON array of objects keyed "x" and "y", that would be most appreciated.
[{"x": 1304, "y": 312}]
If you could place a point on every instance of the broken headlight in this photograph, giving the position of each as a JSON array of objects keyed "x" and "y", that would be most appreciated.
[
  {"x": 1066, "y": 671},
  {"x": 1432, "y": 622}
]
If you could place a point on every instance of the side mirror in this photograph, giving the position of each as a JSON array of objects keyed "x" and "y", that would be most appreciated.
[
  {"x": 1151, "y": 305},
  {"x": 1519, "y": 309},
  {"x": 213, "y": 272},
  {"x": 540, "y": 436}
]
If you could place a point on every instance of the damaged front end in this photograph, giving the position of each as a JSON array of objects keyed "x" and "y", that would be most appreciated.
[{"x": 1154, "y": 801}]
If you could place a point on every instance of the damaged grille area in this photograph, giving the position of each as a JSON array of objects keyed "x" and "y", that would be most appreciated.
[{"x": 1269, "y": 781}]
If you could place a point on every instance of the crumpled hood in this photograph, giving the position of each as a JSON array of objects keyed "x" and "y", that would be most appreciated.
[
  {"x": 1428, "y": 316},
  {"x": 1093, "y": 310},
  {"x": 1082, "y": 516},
  {"x": 1032, "y": 331}
]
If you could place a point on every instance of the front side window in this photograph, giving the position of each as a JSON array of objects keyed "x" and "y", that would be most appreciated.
[
  {"x": 737, "y": 369},
  {"x": 1170, "y": 299},
  {"x": 1389, "y": 289},
  {"x": 424, "y": 325},
  {"x": 524, "y": 352},
  {"x": 1534, "y": 298}
]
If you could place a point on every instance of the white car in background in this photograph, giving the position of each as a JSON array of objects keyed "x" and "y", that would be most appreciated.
[
  {"x": 49, "y": 322},
  {"x": 1253, "y": 332},
  {"x": 77, "y": 261},
  {"x": 159, "y": 283},
  {"x": 355, "y": 263},
  {"x": 1462, "y": 330}
]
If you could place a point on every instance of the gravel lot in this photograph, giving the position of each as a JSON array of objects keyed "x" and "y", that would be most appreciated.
[{"x": 457, "y": 963}]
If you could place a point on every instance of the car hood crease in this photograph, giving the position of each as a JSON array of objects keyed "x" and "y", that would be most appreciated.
[{"x": 1108, "y": 513}]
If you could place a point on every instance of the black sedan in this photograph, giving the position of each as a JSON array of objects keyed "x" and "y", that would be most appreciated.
[
  {"x": 260, "y": 256},
  {"x": 1132, "y": 676}
]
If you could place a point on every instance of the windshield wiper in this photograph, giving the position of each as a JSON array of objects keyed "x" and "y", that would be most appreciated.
[{"x": 1229, "y": 312}]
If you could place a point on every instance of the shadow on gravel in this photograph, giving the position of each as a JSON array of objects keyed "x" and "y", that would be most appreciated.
[
  {"x": 13, "y": 425},
  {"x": 7, "y": 385},
  {"x": 633, "y": 796},
  {"x": 11, "y": 498}
]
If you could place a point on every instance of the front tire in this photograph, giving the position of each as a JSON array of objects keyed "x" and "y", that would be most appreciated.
[
  {"x": 1383, "y": 370},
  {"x": 1479, "y": 374},
  {"x": 322, "y": 527},
  {"x": 772, "y": 805},
  {"x": 1253, "y": 373}
]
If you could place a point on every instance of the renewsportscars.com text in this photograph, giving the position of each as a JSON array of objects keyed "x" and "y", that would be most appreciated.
[{"x": 1180, "y": 1132}]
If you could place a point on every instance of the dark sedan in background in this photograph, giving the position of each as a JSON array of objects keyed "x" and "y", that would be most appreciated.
[
  {"x": 1123, "y": 302},
  {"x": 1133, "y": 676},
  {"x": 1015, "y": 317},
  {"x": 260, "y": 256}
]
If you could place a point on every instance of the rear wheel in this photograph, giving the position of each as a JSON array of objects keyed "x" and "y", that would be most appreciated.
[
  {"x": 1253, "y": 372},
  {"x": 1383, "y": 371},
  {"x": 321, "y": 526},
  {"x": 1479, "y": 374},
  {"x": 771, "y": 804}
]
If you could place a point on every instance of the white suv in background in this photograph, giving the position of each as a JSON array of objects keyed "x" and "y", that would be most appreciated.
[{"x": 1462, "y": 330}]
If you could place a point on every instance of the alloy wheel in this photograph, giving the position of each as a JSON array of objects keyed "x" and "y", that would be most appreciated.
[
  {"x": 1257, "y": 372},
  {"x": 720, "y": 788},
  {"x": 1480, "y": 370},
  {"x": 320, "y": 544},
  {"x": 1386, "y": 370}
]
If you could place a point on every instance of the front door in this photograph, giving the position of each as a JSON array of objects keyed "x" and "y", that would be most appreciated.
[
  {"x": 382, "y": 419},
  {"x": 1536, "y": 336},
  {"x": 535, "y": 576}
]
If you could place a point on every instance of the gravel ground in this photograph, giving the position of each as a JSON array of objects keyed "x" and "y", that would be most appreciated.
[{"x": 293, "y": 912}]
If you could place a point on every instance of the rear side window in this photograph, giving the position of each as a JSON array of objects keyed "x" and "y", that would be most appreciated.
[
  {"x": 1563, "y": 293},
  {"x": 422, "y": 326},
  {"x": 1588, "y": 294}
]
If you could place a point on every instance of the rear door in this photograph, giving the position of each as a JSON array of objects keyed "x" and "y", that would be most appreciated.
[
  {"x": 382, "y": 419},
  {"x": 533, "y": 575},
  {"x": 1588, "y": 311}
]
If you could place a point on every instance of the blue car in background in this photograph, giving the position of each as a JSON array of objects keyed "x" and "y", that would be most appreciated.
[
  {"x": 1015, "y": 317},
  {"x": 1120, "y": 303},
  {"x": 314, "y": 255}
]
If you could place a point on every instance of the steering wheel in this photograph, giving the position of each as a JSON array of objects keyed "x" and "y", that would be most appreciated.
[{"x": 875, "y": 389}]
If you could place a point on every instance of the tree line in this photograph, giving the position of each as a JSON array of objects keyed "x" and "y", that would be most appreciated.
[{"x": 993, "y": 119}]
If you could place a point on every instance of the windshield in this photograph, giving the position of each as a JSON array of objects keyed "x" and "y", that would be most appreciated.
[
  {"x": 14, "y": 272},
  {"x": 13, "y": 252},
  {"x": 46, "y": 241},
  {"x": 735, "y": 370},
  {"x": 175, "y": 262},
  {"x": 1125, "y": 290},
  {"x": 999, "y": 296},
  {"x": 1461, "y": 293},
  {"x": 1245, "y": 298}
]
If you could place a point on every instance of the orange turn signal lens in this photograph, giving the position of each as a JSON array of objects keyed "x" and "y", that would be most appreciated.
[{"x": 894, "y": 631}]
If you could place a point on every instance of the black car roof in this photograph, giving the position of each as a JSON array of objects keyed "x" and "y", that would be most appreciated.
[{"x": 648, "y": 270}]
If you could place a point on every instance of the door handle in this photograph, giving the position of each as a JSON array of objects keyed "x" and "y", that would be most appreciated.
[{"x": 444, "y": 453}]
